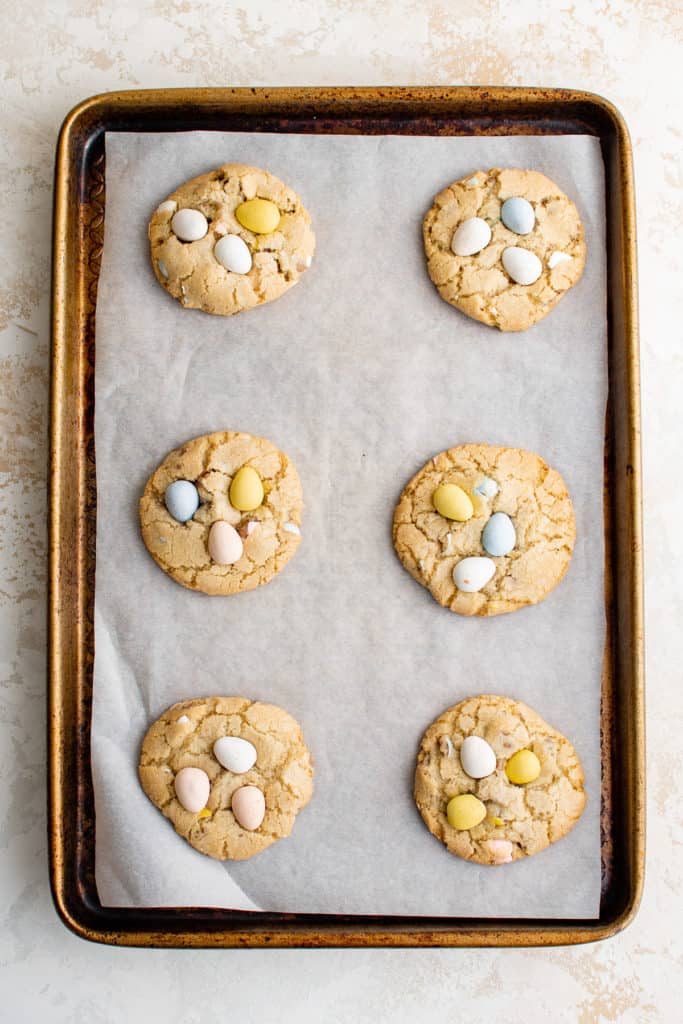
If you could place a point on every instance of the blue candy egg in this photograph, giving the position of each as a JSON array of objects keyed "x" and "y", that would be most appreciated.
[
  {"x": 182, "y": 500},
  {"x": 498, "y": 536},
  {"x": 518, "y": 215}
]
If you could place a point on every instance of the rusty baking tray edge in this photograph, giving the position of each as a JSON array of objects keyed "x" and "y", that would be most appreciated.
[{"x": 77, "y": 246}]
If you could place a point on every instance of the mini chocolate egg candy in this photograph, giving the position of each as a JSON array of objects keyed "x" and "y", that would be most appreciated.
[
  {"x": 523, "y": 266},
  {"x": 168, "y": 206},
  {"x": 182, "y": 500},
  {"x": 500, "y": 850},
  {"x": 189, "y": 225},
  {"x": 477, "y": 757},
  {"x": 498, "y": 536},
  {"x": 558, "y": 257},
  {"x": 465, "y": 811},
  {"x": 192, "y": 787},
  {"x": 261, "y": 216},
  {"x": 451, "y": 502},
  {"x": 249, "y": 807},
  {"x": 518, "y": 215},
  {"x": 471, "y": 237},
  {"x": 471, "y": 574},
  {"x": 232, "y": 252},
  {"x": 246, "y": 489},
  {"x": 225, "y": 544},
  {"x": 235, "y": 754},
  {"x": 523, "y": 767},
  {"x": 487, "y": 488}
]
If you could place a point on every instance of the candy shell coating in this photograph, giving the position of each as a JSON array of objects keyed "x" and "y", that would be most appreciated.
[
  {"x": 261, "y": 216},
  {"x": 192, "y": 787},
  {"x": 471, "y": 237},
  {"x": 232, "y": 252},
  {"x": 522, "y": 265},
  {"x": 500, "y": 850},
  {"x": 487, "y": 488},
  {"x": 235, "y": 754},
  {"x": 189, "y": 225},
  {"x": 225, "y": 544},
  {"x": 246, "y": 489},
  {"x": 182, "y": 500},
  {"x": 168, "y": 206},
  {"x": 518, "y": 215},
  {"x": 558, "y": 257},
  {"x": 471, "y": 574},
  {"x": 523, "y": 767},
  {"x": 465, "y": 811},
  {"x": 249, "y": 807},
  {"x": 477, "y": 757},
  {"x": 498, "y": 536},
  {"x": 452, "y": 502}
]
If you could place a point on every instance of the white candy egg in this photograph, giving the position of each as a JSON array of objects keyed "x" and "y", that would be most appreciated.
[
  {"x": 232, "y": 252},
  {"x": 225, "y": 544},
  {"x": 471, "y": 237},
  {"x": 235, "y": 754},
  {"x": 523, "y": 266},
  {"x": 487, "y": 488},
  {"x": 189, "y": 225},
  {"x": 471, "y": 574},
  {"x": 192, "y": 787},
  {"x": 168, "y": 206},
  {"x": 477, "y": 757},
  {"x": 249, "y": 807},
  {"x": 558, "y": 257}
]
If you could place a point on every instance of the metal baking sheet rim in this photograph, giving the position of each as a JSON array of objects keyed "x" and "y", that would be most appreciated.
[{"x": 77, "y": 245}]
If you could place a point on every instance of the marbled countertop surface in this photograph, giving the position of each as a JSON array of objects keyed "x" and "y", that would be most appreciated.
[{"x": 52, "y": 54}]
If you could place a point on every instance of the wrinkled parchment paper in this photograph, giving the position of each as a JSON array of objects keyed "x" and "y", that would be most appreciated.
[{"x": 361, "y": 373}]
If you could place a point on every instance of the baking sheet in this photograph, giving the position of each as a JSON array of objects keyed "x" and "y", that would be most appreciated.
[{"x": 360, "y": 373}]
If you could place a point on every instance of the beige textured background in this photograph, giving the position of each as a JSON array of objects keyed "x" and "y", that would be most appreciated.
[{"x": 52, "y": 55}]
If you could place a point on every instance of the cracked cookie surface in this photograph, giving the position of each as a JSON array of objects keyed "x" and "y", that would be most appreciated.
[
  {"x": 270, "y": 533},
  {"x": 479, "y": 285},
  {"x": 190, "y": 272},
  {"x": 532, "y": 494},
  {"x": 520, "y": 819},
  {"x": 183, "y": 737}
]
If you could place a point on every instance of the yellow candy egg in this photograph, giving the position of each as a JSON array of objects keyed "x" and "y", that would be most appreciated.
[
  {"x": 246, "y": 489},
  {"x": 465, "y": 811},
  {"x": 523, "y": 767},
  {"x": 452, "y": 502},
  {"x": 258, "y": 215}
]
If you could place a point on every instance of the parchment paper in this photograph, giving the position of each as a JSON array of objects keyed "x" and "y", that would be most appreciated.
[{"x": 361, "y": 373}]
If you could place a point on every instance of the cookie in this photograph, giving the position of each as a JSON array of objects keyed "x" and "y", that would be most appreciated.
[
  {"x": 486, "y": 530},
  {"x": 230, "y": 774},
  {"x": 504, "y": 246},
  {"x": 495, "y": 783},
  {"x": 222, "y": 514},
  {"x": 230, "y": 240}
]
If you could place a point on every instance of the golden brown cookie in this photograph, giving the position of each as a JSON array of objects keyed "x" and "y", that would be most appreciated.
[
  {"x": 231, "y": 239},
  {"x": 230, "y": 774},
  {"x": 504, "y": 246},
  {"x": 486, "y": 530},
  {"x": 222, "y": 514},
  {"x": 464, "y": 786}
]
